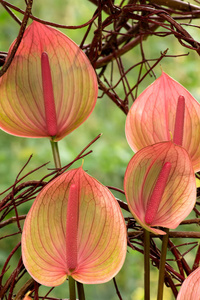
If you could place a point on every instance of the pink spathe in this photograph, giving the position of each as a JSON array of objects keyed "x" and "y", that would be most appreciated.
[
  {"x": 68, "y": 82},
  {"x": 190, "y": 289},
  {"x": 96, "y": 224},
  {"x": 178, "y": 195},
  {"x": 151, "y": 118}
]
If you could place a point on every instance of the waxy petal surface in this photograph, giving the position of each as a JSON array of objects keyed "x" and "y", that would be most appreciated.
[
  {"x": 190, "y": 289},
  {"x": 151, "y": 118},
  {"x": 22, "y": 110},
  {"x": 101, "y": 235},
  {"x": 180, "y": 192}
]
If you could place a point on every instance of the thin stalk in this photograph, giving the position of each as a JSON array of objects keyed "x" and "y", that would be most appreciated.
[
  {"x": 72, "y": 290},
  {"x": 162, "y": 265},
  {"x": 80, "y": 288},
  {"x": 56, "y": 155},
  {"x": 146, "y": 265}
]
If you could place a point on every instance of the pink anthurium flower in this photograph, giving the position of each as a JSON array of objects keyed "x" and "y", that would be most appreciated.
[
  {"x": 190, "y": 289},
  {"x": 152, "y": 117},
  {"x": 50, "y": 88},
  {"x": 74, "y": 228},
  {"x": 160, "y": 186}
]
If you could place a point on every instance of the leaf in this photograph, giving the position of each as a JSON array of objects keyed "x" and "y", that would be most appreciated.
[
  {"x": 22, "y": 109},
  {"x": 101, "y": 232},
  {"x": 151, "y": 118},
  {"x": 179, "y": 194}
]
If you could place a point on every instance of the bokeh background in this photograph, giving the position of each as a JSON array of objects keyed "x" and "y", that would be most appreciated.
[{"x": 111, "y": 152}]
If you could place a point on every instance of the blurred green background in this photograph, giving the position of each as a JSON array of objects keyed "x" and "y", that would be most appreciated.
[{"x": 111, "y": 152}]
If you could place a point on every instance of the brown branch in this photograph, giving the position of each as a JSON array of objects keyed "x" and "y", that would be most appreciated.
[
  {"x": 12, "y": 220},
  {"x": 149, "y": 70},
  {"x": 172, "y": 234},
  {"x": 11, "y": 13},
  {"x": 183, "y": 32},
  {"x": 156, "y": 261},
  {"x": 29, "y": 285},
  {"x": 105, "y": 60},
  {"x": 108, "y": 7},
  {"x": 176, "y": 4},
  {"x": 20, "y": 187},
  {"x": 180, "y": 260},
  {"x": 46, "y": 22},
  {"x": 123, "y": 205},
  {"x": 19, "y": 37},
  {"x": 117, "y": 101},
  {"x": 7, "y": 261},
  {"x": 191, "y": 221},
  {"x": 197, "y": 260},
  {"x": 117, "y": 290},
  {"x": 11, "y": 280}
]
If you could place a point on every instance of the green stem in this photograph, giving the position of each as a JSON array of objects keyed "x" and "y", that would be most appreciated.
[
  {"x": 72, "y": 290},
  {"x": 56, "y": 155},
  {"x": 162, "y": 265},
  {"x": 81, "y": 294},
  {"x": 146, "y": 265}
]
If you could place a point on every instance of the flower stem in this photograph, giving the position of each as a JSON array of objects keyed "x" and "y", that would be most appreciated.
[
  {"x": 72, "y": 290},
  {"x": 162, "y": 265},
  {"x": 56, "y": 155},
  {"x": 80, "y": 288},
  {"x": 146, "y": 265}
]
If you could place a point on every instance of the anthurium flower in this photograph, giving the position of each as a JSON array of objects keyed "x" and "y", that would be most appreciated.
[
  {"x": 50, "y": 87},
  {"x": 151, "y": 118},
  {"x": 190, "y": 289},
  {"x": 160, "y": 187},
  {"x": 74, "y": 228}
]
